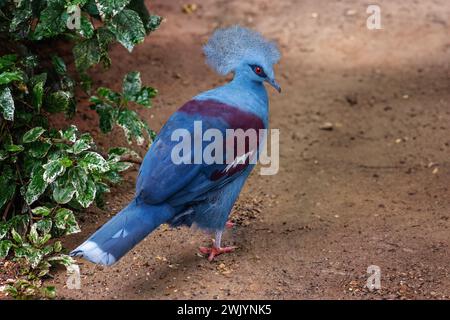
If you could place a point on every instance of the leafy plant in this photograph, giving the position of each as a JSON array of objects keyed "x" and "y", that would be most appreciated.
[
  {"x": 48, "y": 173},
  {"x": 34, "y": 251},
  {"x": 112, "y": 107}
]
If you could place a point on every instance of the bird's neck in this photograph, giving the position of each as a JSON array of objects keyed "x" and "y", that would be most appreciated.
[
  {"x": 244, "y": 83},
  {"x": 243, "y": 93},
  {"x": 249, "y": 90}
]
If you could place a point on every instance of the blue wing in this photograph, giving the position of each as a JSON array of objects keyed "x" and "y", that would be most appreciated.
[{"x": 160, "y": 180}]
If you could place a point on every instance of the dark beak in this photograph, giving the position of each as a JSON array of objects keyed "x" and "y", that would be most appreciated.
[{"x": 274, "y": 84}]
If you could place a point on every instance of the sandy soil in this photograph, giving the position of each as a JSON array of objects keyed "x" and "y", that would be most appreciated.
[{"x": 374, "y": 190}]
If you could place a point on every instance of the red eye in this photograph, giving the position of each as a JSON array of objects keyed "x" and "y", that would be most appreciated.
[{"x": 258, "y": 70}]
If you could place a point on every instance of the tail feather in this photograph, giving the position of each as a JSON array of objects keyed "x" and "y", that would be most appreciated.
[{"x": 120, "y": 234}]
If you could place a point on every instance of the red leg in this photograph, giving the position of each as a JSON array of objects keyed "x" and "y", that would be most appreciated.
[
  {"x": 230, "y": 224},
  {"x": 214, "y": 251}
]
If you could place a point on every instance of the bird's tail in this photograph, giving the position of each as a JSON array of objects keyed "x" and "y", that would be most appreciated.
[{"x": 120, "y": 234}]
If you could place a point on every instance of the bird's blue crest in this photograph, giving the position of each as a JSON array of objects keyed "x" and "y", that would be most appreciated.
[{"x": 228, "y": 47}]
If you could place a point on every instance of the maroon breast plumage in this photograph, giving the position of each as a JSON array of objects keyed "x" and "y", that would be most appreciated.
[{"x": 235, "y": 119}]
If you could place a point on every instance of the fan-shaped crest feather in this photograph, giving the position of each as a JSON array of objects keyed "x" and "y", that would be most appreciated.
[{"x": 227, "y": 48}]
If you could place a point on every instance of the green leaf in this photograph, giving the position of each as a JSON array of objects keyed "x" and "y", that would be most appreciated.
[
  {"x": 57, "y": 247},
  {"x": 127, "y": 28},
  {"x": 39, "y": 149},
  {"x": 33, "y": 256},
  {"x": 44, "y": 225},
  {"x": 86, "y": 27},
  {"x": 78, "y": 177},
  {"x": 33, "y": 235},
  {"x": 144, "y": 96},
  {"x": 131, "y": 84},
  {"x": 63, "y": 191},
  {"x": 85, "y": 81},
  {"x": 80, "y": 146},
  {"x": 86, "y": 137},
  {"x": 21, "y": 16},
  {"x": 58, "y": 101},
  {"x": 85, "y": 195},
  {"x": 3, "y": 155},
  {"x": 5, "y": 245},
  {"x": 102, "y": 188},
  {"x": 108, "y": 94},
  {"x": 14, "y": 148},
  {"x": 70, "y": 133},
  {"x": 4, "y": 228},
  {"x": 42, "y": 241},
  {"x": 12, "y": 291},
  {"x": 36, "y": 187},
  {"x": 49, "y": 292},
  {"x": 21, "y": 251},
  {"x": 30, "y": 61},
  {"x": 41, "y": 211},
  {"x": 19, "y": 222},
  {"x": 105, "y": 37},
  {"x": 79, "y": 3},
  {"x": 16, "y": 237},
  {"x": 132, "y": 125},
  {"x": 151, "y": 133},
  {"x": 42, "y": 77},
  {"x": 153, "y": 23},
  {"x": 44, "y": 269},
  {"x": 113, "y": 176},
  {"x": 121, "y": 151},
  {"x": 7, "y": 77},
  {"x": 120, "y": 166},
  {"x": 66, "y": 162},
  {"x": 53, "y": 169},
  {"x": 6, "y": 104},
  {"x": 93, "y": 161},
  {"x": 65, "y": 221},
  {"x": 62, "y": 259},
  {"x": 48, "y": 249},
  {"x": 33, "y": 134},
  {"x": 107, "y": 116},
  {"x": 86, "y": 53},
  {"x": 59, "y": 64},
  {"x": 7, "y": 61},
  {"x": 38, "y": 93},
  {"x": 95, "y": 100},
  {"x": 109, "y": 8},
  {"x": 91, "y": 8},
  {"x": 7, "y": 187},
  {"x": 52, "y": 20}
]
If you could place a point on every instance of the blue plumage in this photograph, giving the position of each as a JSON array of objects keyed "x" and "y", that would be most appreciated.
[
  {"x": 201, "y": 194},
  {"x": 123, "y": 232}
]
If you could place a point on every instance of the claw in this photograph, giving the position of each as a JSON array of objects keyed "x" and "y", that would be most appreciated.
[{"x": 215, "y": 251}]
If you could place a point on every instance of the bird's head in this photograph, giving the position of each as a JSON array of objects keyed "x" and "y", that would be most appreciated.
[{"x": 244, "y": 52}]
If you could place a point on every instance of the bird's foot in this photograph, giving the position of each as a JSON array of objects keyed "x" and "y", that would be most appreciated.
[
  {"x": 215, "y": 251},
  {"x": 229, "y": 224}
]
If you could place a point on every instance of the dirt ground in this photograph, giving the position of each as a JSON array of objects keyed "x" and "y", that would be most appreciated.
[{"x": 374, "y": 190}]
